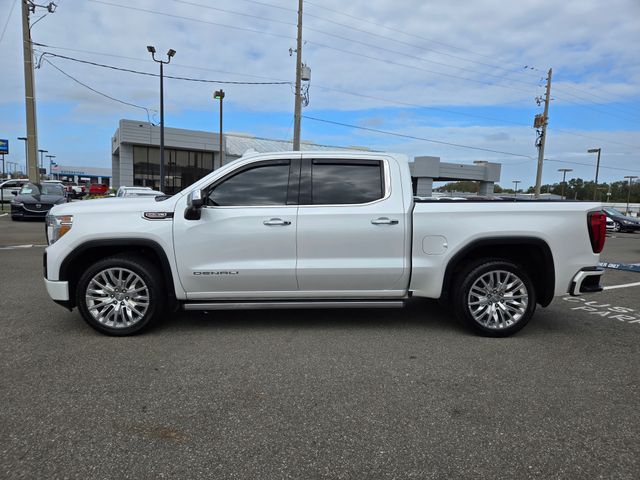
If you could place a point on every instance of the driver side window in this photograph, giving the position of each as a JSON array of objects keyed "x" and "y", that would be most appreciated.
[{"x": 257, "y": 185}]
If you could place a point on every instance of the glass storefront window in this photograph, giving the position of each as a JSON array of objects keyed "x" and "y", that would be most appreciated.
[{"x": 182, "y": 167}]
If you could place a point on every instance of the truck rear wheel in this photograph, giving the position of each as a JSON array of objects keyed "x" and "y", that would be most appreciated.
[
  {"x": 120, "y": 295},
  {"x": 494, "y": 297}
]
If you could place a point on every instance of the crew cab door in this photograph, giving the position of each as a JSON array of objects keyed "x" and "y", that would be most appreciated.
[
  {"x": 244, "y": 243},
  {"x": 351, "y": 228}
]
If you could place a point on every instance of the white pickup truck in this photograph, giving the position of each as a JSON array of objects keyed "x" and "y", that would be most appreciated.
[{"x": 317, "y": 230}]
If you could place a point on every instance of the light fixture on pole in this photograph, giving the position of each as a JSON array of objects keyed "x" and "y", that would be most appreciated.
[
  {"x": 631, "y": 178},
  {"x": 152, "y": 50},
  {"x": 598, "y": 151},
  {"x": 41, "y": 162},
  {"x": 515, "y": 190},
  {"x": 219, "y": 95},
  {"x": 564, "y": 176}
]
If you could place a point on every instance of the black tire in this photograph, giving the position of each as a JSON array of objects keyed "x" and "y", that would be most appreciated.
[
  {"x": 498, "y": 318},
  {"x": 120, "y": 321}
]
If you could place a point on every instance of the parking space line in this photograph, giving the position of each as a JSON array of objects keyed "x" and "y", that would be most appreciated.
[
  {"x": 625, "y": 285},
  {"x": 3, "y": 214},
  {"x": 17, "y": 247}
]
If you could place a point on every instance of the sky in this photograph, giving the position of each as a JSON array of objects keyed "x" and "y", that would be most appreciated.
[{"x": 458, "y": 80}]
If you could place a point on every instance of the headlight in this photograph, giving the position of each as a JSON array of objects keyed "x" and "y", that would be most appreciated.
[
  {"x": 57, "y": 226},
  {"x": 627, "y": 222}
]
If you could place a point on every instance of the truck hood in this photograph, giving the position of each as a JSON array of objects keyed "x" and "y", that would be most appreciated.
[{"x": 114, "y": 205}]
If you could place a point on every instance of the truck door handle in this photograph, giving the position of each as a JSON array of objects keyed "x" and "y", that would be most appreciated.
[
  {"x": 384, "y": 221},
  {"x": 276, "y": 221}
]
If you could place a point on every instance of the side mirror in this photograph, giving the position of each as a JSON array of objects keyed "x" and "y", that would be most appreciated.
[
  {"x": 195, "y": 199},
  {"x": 14, "y": 192},
  {"x": 194, "y": 205}
]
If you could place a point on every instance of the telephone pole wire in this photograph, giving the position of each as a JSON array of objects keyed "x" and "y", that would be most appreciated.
[
  {"x": 298, "y": 105},
  {"x": 543, "y": 136},
  {"x": 29, "y": 95}
]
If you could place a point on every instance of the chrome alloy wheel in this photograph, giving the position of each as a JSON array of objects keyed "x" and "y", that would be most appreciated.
[
  {"x": 498, "y": 299},
  {"x": 117, "y": 297}
]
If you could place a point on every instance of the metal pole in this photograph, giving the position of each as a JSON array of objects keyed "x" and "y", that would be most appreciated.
[
  {"x": 161, "y": 128},
  {"x": 543, "y": 138},
  {"x": 221, "y": 98},
  {"x": 630, "y": 177},
  {"x": 515, "y": 193},
  {"x": 595, "y": 189},
  {"x": 564, "y": 179},
  {"x": 29, "y": 96},
  {"x": 298, "y": 104},
  {"x": 2, "y": 189}
]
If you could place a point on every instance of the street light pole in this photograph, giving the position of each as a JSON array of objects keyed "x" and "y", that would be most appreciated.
[
  {"x": 515, "y": 193},
  {"x": 564, "y": 176},
  {"x": 630, "y": 177},
  {"x": 596, "y": 150},
  {"x": 219, "y": 95},
  {"x": 50, "y": 162},
  {"x": 41, "y": 162},
  {"x": 151, "y": 49}
]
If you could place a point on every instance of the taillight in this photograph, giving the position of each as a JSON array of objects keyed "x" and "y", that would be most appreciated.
[{"x": 597, "y": 223}]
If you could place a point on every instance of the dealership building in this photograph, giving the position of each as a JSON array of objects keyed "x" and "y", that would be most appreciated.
[
  {"x": 189, "y": 154},
  {"x": 192, "y": 154}
]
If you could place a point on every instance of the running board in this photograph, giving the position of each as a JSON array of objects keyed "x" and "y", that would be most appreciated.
[{"x": 294, "y": 305}]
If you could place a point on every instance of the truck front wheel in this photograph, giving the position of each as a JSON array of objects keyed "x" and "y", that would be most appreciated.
[
  {"x": 120, "y": 295},
  {"x": 494, "y": 297}
]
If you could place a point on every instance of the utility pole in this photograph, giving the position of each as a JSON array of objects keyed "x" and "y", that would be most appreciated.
[
  {"x": 29, "y": 95},
  {"x": 543, "y": 136},
  {"x": 298, "y": 105}
]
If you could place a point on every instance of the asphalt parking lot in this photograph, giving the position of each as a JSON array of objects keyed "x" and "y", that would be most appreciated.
[{"x": 318, "y": 394}]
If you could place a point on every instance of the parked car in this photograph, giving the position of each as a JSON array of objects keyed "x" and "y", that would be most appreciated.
[
  {"x": 610, "y": 224},
  {"x": 98, "y": 189},
  {"x": 8, "y": 186},
  {"x": 137, "y": 192},
  {"x": 622, "y": 222},
  {"x": 317, "y": 230},
  {"x": 74, "y": 190},
  {"x": 35, "y": 200}
]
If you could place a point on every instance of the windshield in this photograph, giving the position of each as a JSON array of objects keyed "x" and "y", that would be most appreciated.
[
  {"x": 45, "y": 189},
  {"x": 613, "y": 211}
]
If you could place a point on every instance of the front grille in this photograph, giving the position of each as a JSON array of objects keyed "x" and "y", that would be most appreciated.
[{"x": 38, "y": 207}]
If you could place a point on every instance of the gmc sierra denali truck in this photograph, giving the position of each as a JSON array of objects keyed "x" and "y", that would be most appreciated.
[{"x": 317, "y": 230}]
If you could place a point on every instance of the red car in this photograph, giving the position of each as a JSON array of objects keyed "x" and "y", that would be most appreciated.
[{"x": 98, "y": 189}]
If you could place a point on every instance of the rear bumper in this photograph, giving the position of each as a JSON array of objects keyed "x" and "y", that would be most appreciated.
[
  {"x": 58, "y": 291},
  {"x": 586, "y": 280}
]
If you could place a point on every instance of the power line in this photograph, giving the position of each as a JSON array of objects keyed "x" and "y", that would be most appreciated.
[
  {"x": 352, "y": 28},
  {"x": 138, "y": 72},
  {"x": 8, "y": 18},
  {"x": 590, "y": 165},
  {"x": 195, "y": 67},
  {"x": 360, "y": 95},
  {"x": 199, "y": 20},
  {"x": 99, "y": 92},
  {"x": 310, "y": 42},
  {"x": 412, "y": 137}
]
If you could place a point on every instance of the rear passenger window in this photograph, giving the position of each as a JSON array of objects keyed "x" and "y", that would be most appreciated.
[{"x": 336, "y": 182}]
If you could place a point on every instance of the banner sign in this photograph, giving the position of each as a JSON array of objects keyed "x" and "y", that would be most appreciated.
[
  {"x": 630, "y": 267},
  {"x": 4, "y": 147}
]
